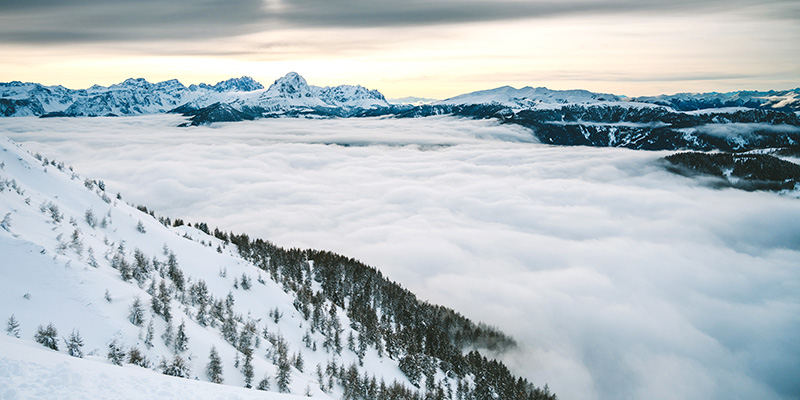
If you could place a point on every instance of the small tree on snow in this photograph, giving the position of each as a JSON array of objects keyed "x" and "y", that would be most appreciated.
[
  {"x": 181, "y": 340},
  {"x": 214, "y": 366},
  {"x": 168, "y": 335},
  {"x": 263, "y": 384},
  {"x": 6, "y": 222},
  {"x": 91, "y": 220},
  {"x": 136, "y": 315},
  {"x": 247, "y": 369},
  {"x": 284, "y": 369},
  {"x": 115, "y": 353},
  {"x": 12, "y": 326},
  {"x": 47, "y": 336},
  {"x": 74, "y": 344},
  {"x": 91, "y": 260},
  {"x": 136, "y": 357},
  {"x": 177, "y": 367},
  {"x": 148, "y": 337},
  {"x": 77, "y": 243},
  {"x": 140, "y": 227}
]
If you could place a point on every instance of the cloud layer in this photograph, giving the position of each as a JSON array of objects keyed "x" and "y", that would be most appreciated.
[{"x": 619, "y": 279}]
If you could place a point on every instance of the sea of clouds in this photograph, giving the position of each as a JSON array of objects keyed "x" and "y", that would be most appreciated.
[{"x": 619, "y": 279}]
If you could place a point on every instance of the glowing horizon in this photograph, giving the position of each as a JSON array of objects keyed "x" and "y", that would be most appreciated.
[{"x": 426, "y": 49}]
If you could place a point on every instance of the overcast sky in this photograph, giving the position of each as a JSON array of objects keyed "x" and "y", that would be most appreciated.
[{"x": 433, "y": 48}]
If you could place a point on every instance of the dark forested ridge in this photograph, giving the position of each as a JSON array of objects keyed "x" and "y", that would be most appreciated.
[
  {"x": 742, "y": 171},
  {"x": 422, "y": 336}
]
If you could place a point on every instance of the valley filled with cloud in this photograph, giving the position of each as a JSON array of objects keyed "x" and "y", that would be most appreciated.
[{"x": 617, "y": 278}]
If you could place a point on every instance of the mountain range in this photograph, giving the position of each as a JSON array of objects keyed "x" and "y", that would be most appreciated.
[{"x": 734, "y": 121}]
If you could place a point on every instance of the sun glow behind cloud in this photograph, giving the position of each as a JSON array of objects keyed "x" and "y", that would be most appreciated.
[{"x": 619, "y": 279}]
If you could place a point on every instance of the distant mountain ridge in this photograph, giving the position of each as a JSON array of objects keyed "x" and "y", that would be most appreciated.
[
  {"x": 734, "y": 121},
  {"x": 138, "y": 96}
]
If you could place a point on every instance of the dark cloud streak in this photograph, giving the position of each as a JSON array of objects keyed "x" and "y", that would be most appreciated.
[{"x": 46, "y": 21}]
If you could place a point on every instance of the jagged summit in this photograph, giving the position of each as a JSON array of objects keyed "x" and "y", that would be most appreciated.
[{"x": 291, "y": 86}]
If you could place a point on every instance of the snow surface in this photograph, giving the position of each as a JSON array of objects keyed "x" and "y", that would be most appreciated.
[{"x": 30, "y": 371}]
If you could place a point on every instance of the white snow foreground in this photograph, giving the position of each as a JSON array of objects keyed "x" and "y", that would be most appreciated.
[
  {"x": 29, "y": 371},
  {"x": 60, "y": 235}
]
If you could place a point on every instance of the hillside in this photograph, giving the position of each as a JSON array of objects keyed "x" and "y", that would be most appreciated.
[{"x": 94, "y": 277}]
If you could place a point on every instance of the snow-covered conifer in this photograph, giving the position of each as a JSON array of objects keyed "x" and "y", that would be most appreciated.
[
  {"x": 214, "y": 366},
  {"x": 148, "y": 337},
  {"x": 247, "y": 369},
  {"x": 284, "y": 368},
  {"x": 74, "y": 344},
  {"x": 6, "y": 222},
  {"x": 47, "y": 336},
  {"x": 263, "y": 384},
  {"x": 136, "y": 315},
  {"x": 115, "y": 353},
  {"x": 177, "y": 367},
  {"x": 181, "y": 340},
  {"x": 136, "y": 357},
  {"x": 168, "y": 334},
  {"x": 12, "y": 326}
]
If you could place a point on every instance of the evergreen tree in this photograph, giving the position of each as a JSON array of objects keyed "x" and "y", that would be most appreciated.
[
  {"x": 92, "y": 261},
  {"x": 90, "y": 218},
  {"x": 229, "y": 329},
  {"x": 298, "y": 361},
  {"x": 77, "y": 243},
  {"x": 214, "y": 366},
  {"x": 47, "y": 336},
  {"x": 362, "y": 348},
  {"x": 115, "y": 353},
  {"x": 148, "y": 337},
  {"x": 136, "y": 315},
  {"x": 247, "y": 369},
  {"x": 136, "y": 357},
  {"x": 74, "y": 344},
  {"x": 263, "y": 384},
  {"x": 174, "y": 272},
  {"x": 181, "y": 340},
  {"x": 164, "y": 299},
  {"x": 168, "y": 335},
  {"x": 284, "y": 368},
  {"x": 12, "y": 326},
  {"x": 177, "y": 367}
]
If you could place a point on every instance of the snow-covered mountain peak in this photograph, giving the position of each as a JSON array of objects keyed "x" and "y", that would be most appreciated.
[
  {"x": 243, "y": 84},
  {"x": 528, "y": 97},
  {"x": 132, "y": 83},
  {"x": 290, "y": 86}
]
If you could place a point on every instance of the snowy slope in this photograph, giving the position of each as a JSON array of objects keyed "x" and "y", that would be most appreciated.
[
  {"x": 48, "y": 278},
  {"x": 30, "y": 371}
]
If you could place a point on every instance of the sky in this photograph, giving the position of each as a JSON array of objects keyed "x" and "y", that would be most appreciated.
[
  {"x": 618, "y": 279},
  {"x": 426, "y": 48}
]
